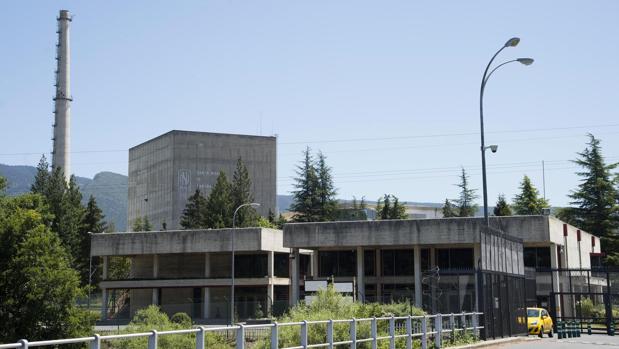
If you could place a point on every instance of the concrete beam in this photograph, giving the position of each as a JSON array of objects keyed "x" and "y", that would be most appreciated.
[{"x": 192, "y": 283}]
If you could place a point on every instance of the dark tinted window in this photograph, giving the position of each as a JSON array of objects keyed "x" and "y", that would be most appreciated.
[
  {"x": 337, "y": 263},
  {"x": 455, "y": 258},
  {"x": 397, "y": 262},
  {"x": 537, "y": 257},
  {"x": 250, "y": 265},
  {"x": 281, "y": 265},
  {"x": 369, "y": 262}
]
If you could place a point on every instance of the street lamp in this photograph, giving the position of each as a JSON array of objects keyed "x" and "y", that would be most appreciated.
[
  {"x": 525, "y": 61},
  {"x": 253, "y": 204}
]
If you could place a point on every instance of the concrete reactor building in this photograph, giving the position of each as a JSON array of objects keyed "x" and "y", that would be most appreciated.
[{"x": 166, "y": 170}]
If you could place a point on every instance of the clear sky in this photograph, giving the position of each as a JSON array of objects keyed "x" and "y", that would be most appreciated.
[{"x": 388, "y": 90}]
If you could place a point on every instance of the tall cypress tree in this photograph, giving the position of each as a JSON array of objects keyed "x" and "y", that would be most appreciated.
[
  {"x": 194, "y": 214},
  {"x": 389, "y": 207},
  {"x": 219, "y": 204},
  {"x": 305, "y": 196},
  {"x": 325, "y": 190},
  {"x": 528, "y": 202},
  {"x": 41, "y": 179},
  {"x": 241, "y": 193},
  {"x": 465, "y": 203}
]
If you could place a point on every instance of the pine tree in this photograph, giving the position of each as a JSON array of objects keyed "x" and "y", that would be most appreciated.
[
  {"x": 465, "y": 203},
  {"x": 389, "y": 207},
  {"x": 3, "y": 185},
  {"x": 146, "y": 226},
  {"x": 528, "y": 202},
  {"x": 92, "y": 222},
  {"x": 241, "y": 193},
  {"x": 194, "y": 214},
  {"x": 325, "y": 190},
  {"x": 141, "y": 224},
  {"x": 219, "y": 204},
  {"x": 41, "y": 178},
  {"x": 305, "y": 197},
  {"x": 449, "y": 210},
  {"x": 502, "y": 207},
  {"x": 271, "y": 217},
  {"x": 362, "y": 204},
  {"x": 594, "y": 203}
]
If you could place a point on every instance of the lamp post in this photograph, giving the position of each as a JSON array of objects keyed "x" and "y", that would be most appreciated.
[
  {"x": 526, "y": 61},
  {"x": 253, "y": 204}
]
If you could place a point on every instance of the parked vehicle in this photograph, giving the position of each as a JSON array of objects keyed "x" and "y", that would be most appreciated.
[{"x": 539, "y": 322}]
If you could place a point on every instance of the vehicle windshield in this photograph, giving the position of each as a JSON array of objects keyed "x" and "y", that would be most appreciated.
[{"x": 532, "y": 312}]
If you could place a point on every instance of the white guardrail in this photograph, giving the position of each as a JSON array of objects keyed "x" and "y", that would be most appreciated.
[{"x": 425, "y": 328}]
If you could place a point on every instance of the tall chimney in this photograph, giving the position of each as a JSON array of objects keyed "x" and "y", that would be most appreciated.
[{"x": 62, "y": 110}]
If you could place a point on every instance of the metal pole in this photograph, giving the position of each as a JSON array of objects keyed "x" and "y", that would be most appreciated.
[{"x": 232, "y": 261}]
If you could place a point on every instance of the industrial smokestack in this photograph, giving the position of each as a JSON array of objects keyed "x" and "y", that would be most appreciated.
[{"x": 62, "y": 110}]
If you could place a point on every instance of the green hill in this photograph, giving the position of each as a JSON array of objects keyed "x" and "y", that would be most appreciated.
[{"x": 108, "y": 188}]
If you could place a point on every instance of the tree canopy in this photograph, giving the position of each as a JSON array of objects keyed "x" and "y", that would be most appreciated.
[
  {"x": 194, "y": 214},
  {"x": 389, "y": 207},
  {"x": 314, "y": 194},
  {"x": 528, "y": 201},
  {"x": 502, "y": 208}
]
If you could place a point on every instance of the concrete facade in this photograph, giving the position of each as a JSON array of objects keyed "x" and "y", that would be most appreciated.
[
  {"x": 166, "y": 170},
  {"x": 429, "y": 242},
  {"x": 190, "y": 271}
]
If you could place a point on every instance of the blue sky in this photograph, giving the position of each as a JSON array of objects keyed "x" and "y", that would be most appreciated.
[{"x": 388, "y": 90}]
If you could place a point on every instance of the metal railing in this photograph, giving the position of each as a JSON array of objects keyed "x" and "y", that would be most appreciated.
[{"x": 425, "y": 328}]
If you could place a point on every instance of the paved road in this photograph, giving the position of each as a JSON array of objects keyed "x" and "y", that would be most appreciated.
[{"x": 583, "y": 342}]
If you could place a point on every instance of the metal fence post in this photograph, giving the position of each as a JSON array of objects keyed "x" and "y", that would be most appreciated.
[
  {"x": 438, "y": 327},
  {"x": 96, "y": 344},
  {"x": 200, "y": 338},
  {"x": 240, "y": 337},
  {"x": 475, "y": 319},
  {"x": 391, "y": 333},
  {"x": 304, "y": 334},
  {"x": 152, "y": 340},
  {"x": 353, "y": 333},
  {"x": 374, "y": 333},
  {"x": 424, "y": 332},
  {"x": 409, "y": 333},
  {"x": 275, "y": 336},
  {"x": 452, "y": 326},
  {"x": 463, "y": 322},
  {"x": 24, "y": 343},
  {"x": 330, "y": 333}
]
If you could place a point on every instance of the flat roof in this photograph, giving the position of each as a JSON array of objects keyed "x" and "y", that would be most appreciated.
[
  {"x": 448, "y": 231},
  {"x": 186, "y": 241},
  {"x": 202, "y": 133}
]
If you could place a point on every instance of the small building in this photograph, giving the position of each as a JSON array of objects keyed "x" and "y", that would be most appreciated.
[
  {"x": 166, "y": 170},
  {"x": 190, "y": 271},
  {"x": 433, "y": 261}
]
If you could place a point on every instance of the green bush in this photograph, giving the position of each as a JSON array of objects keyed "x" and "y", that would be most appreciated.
[{"x": 151, "y": 318}]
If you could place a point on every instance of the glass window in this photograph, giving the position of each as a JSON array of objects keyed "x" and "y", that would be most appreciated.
[
  {"x": 532, "y": 313},
  {"x": 455, "y": 258},
  {"x": 369, "y": 262},
  {"x": 397, "y": 262},
  {"x": 426, "y": 263},
  {"x": 537, "y": 257},
  {"x": 250, "y": 265},
  {"x": 337, "y": 263},
  {"x": 281, "y": 265}
]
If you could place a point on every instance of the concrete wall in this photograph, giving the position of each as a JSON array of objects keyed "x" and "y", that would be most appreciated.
[
  {"x": 169, "y": 168},
  {"x": 410, "y": 232},
  {"x": 185, "y": 241}
]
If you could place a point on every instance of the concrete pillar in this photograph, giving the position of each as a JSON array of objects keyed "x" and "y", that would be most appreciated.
[
  {"x": 360, "y": 275},
  {"x": 295, "y": 275},
  {"x": 417, "y": 271},
  {"x": 271, "y": 264},
  {"x": 155, "y": 297},
  {"x": 103, "y": 304},
  {"x": 206, "y": 302},
  {"x": 379, "y": 277},
  {"x": 104, "y": 268},
  {"x": 556, "y": 280},
  {"x": 433, "y": 287},
  {"x": 155, "y": 266},
  {"x": 270, "y": 285},
  {"x": 314, "y": 264}
]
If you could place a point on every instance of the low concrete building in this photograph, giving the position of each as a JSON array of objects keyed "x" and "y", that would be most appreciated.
[
  {"x": 190, "y": 271},
  {"x": 432, "y": 261}
]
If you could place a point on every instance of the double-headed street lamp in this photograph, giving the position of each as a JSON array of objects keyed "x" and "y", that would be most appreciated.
[
  {"x": 253, "y": 204},
  {"x": 526, "y": 61}
]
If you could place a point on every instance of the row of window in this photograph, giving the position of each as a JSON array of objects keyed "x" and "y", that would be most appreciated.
[{"x": 393, "y": 262}]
